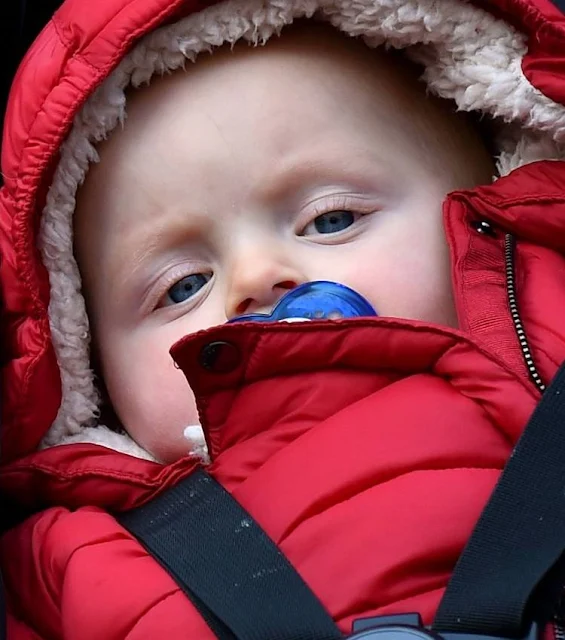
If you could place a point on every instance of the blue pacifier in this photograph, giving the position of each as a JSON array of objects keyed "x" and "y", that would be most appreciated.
[{"x": 319, "y": 300}]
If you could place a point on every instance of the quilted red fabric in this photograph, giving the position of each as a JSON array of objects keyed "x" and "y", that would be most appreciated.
[{"x": 365, "y": 448}]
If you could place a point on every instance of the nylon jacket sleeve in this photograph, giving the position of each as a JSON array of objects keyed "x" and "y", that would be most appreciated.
[
  {"x": 32, "y": 582},
  {"x": 18, "y": 630}
]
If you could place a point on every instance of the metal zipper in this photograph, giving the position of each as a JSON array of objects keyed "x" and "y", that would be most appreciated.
[
  {"x": 509, "y": 253},
  {"x": 509, "y": 250}
]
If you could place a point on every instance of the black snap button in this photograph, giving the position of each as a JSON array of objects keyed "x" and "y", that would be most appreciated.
[
  {"x": 220, "y": 357},
  {"x": 483, "y": 227}
]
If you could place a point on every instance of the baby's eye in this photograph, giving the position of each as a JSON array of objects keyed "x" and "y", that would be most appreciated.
[
  {"x": 331, "y": 222},
  {"x": 186, "y": 288}
]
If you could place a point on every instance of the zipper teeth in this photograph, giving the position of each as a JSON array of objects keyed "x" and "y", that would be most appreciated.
[
  {"x": 509, "y": 251},
  {"x": 509, "y": 245}
]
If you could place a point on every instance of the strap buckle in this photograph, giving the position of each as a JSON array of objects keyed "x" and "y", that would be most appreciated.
[{"x": 409, "y": 627}]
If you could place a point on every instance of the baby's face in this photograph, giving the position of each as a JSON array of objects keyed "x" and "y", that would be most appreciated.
[{"x": 260, "y": 169}]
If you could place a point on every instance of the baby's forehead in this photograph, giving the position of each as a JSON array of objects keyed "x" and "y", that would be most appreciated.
[
  {"x": 311, "y": 84},
  {"x": 310, "y": 69},
  {"x": 306, "y": 53}
]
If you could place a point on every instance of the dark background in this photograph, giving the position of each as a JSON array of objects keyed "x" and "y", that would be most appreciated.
[{"x": 20, "y": 23}]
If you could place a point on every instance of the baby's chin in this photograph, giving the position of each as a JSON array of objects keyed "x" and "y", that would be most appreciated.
[
  {"x": 189, "y": 441},
  {"x": 198, "y": 448}
]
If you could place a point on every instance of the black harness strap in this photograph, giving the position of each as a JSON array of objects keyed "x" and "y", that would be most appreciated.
[
  {"x": 233, "y": 573},
  {"x": 560, "y": 4},
  {"x": 520, "y": 534}
]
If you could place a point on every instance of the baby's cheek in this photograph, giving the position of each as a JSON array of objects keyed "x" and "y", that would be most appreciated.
[
  {"x": 170, "y": 444},
  {"x": 152, "y": 400}
]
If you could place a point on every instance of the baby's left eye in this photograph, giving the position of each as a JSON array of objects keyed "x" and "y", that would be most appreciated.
[{"x": 331, "y": 222}]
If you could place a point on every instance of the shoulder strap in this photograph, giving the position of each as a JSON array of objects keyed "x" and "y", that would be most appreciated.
[
  {"x": 520, "y": 534},
  {"x": 233, "y": 573},
  {"x": 560, "y": 4}
]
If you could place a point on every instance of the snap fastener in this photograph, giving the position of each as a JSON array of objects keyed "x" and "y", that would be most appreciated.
[
  {"x": 220, "y": 357},
  {"x": 483, "y": 227}
]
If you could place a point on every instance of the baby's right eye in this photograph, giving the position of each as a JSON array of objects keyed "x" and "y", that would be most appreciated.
[{"x": 185, "y": 288}]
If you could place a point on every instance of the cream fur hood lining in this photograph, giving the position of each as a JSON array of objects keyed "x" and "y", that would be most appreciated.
[{"x": 469, "y": 57}]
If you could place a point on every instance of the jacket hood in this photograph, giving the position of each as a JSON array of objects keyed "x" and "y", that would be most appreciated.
[{"x": 505, "y": 59}]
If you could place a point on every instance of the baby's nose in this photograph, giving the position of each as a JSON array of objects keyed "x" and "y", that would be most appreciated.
[
  {"x": 258, "y": 300},
  {"x": 255, "y": 286}
]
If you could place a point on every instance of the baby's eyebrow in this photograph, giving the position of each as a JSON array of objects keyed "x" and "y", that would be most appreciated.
[
  {"x": 345, "y": 164},
  {"x": 149, "y": 242}
]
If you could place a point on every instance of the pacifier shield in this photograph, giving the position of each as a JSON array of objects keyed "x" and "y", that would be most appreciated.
[{"x": 318, "y": 300}]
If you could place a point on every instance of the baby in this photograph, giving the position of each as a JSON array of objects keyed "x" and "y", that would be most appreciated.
[
  {"x": 329, "y": 163},
  {"x": 251, "y": 172}
]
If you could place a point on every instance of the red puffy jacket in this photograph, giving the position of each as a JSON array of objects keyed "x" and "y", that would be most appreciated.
[{"x": 365, "y": 448}]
